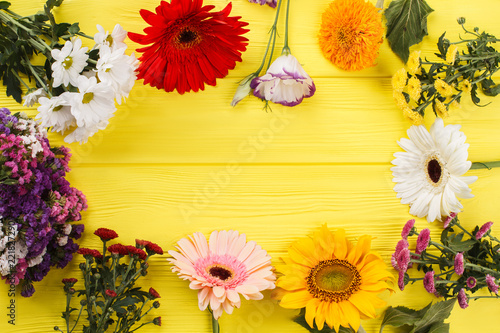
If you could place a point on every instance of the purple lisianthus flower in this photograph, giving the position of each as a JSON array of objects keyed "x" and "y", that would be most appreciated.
[
  {"x": 490, "y": 282},
  {"x": 285, "y": 82},
  {"x": 471, "y": 282},
  {"x": 483, "y": 230},
  {"x": 429, "y": 282},
  {"x": 271, "y": 3},
  {"x": 407, "y": 228},
  {"x": 423, "y": 240},
  {"x": 462, "y": 299},
  {"x": 459, "y": 263}
]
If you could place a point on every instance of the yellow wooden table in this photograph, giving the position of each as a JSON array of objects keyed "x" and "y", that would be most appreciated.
[{"x": 152, "y": 173}]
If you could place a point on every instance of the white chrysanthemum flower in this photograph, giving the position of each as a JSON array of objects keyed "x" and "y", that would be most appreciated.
[
  {"x": 116, "y": 69},
  {"x": 93, "y": 103},
  {"x": 113, "y": 40},
  {"x": 429, "y": 174},
  {"x": 69, "y": 63},
  {"x": 285, "y": 82},
  {"x": 82, "y": 134},
  {"x": 55, "y": 112},
  {"x": 31, "y": 98}
]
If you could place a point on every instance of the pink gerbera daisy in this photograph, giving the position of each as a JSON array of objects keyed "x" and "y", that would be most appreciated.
[{"x": 222, "y": 269}]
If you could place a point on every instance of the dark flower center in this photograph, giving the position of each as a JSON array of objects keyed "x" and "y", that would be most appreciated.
[
  {"x": 187, "y": 36},
  {"x": 333, "y": 280},
  {"x": 434, "y": 170},
  {"x": 220, "y": 272}
]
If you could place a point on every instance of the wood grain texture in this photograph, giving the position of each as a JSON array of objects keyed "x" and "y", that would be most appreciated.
[{"x": 170, "y": 165}]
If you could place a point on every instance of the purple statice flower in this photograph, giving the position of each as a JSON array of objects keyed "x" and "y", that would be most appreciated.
[
  {"x": 423, "y": 241},
  {"x": 471, "y": 282},
  {"x": 463, "y": 300},
  {"x": 490, "y": 282},
  {"x": 37, "y": 199},
  {"x": 459, "y": 263},
  {"x": 448, "y": 220},
  {"x": 407, "y": 228},
  {"x": 271, "y": 3},
  {"x": 285, "y": 82},
  {"x": 429, "y": 282},
  {"x": 483, "y": 230}
]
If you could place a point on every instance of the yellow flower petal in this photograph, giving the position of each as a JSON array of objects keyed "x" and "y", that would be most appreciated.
[
  {"x": 361, "y": 301},
  {"x": 311, "y": 309},
  {"x": 360, "y": 250},
  {"x": 303, "y": 251},
  {"x": 351, "y": 315},
  {"x": 291, "y": 283},
  {"x": 296, "y": 300},
  {"x": 333, "y": 316},
  {"x": 340, "y": 244},
  {"x": 321, "y": 315}
]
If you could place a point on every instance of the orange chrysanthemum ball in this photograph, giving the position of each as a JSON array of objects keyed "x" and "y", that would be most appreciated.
[{"x": 351, "y": 34}]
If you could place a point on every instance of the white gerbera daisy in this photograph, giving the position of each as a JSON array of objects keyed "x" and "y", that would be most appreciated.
[
  {"x": 429, "y": 174},
  {"x": 93, "y": 103},
  {"x": 113, "y": 40},
  {"x": 116, "y": 69},
  {"x": 56, "y": 112},
  {"x": 69, "y": 62}
]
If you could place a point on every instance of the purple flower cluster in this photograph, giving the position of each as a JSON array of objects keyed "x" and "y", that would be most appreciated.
[{"x": 36, "y": 203}]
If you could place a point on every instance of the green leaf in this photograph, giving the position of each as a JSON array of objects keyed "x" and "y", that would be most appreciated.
[
  {"x": 61, "y": 29},
  {"x": 439, "y": 328},
  {"x": 399, "y": 316},
  {"x": 406, "y": 25},
  {"x": 74, "y": 28},
  {"x": 436, "y": 314},
  {"x": 490, "y": 88},
  {"x": 4, "y": 4}
]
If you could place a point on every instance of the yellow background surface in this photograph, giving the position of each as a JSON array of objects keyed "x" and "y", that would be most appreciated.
[{"x": 151, "y": 174}]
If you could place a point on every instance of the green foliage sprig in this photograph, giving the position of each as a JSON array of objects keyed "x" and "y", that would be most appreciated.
[
  {"x": 109, "y": 297},
  {"x": 22, "y": 37},
  {"x": 443, "y": 84}
]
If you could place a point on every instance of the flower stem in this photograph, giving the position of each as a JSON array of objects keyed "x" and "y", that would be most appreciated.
[
  {"x": 478, "y": 297},
  {"x": 215, "y": 325},
  {"x": 286, "y": 49},
  {"x": 485, "y": 165},
  {"x": 77, "y": 319},
  {"x": 482, "y": 269}
]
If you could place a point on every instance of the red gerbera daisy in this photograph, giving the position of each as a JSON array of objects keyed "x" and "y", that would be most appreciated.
[{"x": 191, "y": 46}]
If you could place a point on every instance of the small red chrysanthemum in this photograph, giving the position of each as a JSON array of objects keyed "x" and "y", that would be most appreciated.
[
  {"x": 154, "y": 293},
  {"x": 70, "y": 281},
  {"x": 191, "y": 46},
  {"x": 110, "y": 293},
  {"x": 105, "y": 234},
  {"x": 118, "y": 249},
  {"x": 141, "y": 243},
  {"x": 89, "y": 252},
  {"x": 153, "y": 248},
  {"x": 132, "y": 250}
]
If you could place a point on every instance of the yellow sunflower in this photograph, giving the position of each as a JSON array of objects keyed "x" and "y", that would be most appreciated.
[
  {"x": 335, "y": 281},
  {"x": 351, "y": 34}
]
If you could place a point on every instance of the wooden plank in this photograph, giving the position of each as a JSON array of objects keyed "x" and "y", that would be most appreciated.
[
  {"x": 347, "y": 121},
  {"x": 273, "y": 205}
]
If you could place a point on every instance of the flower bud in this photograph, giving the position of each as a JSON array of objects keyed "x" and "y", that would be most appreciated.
[
  {"x": 71, "y": 291},
  {"x": 156, "y": 304},
  {"x": 97, "y": 276},
  {"x": 461, "y": 20},
  {"x": 56, "y": 328},
  {"x": 92, "y": 299},
  {"x": 157, "y": 321},
  {"x": 82, "y": 266},
  {"x": 243, "y": 89},
  {"x": 83, "y": 302}
]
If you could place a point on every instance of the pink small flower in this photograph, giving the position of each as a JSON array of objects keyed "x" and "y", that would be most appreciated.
[
  {"x": 462, "y": 299},
  {"x": 471, "y": 282},
  {"x": 423, "y": 240},
  {"x": 401, "y": 280},
  {"x": 271, "y": 3},
  {"x": 407, "y": 228},
  {"x": 429, "y": 282},
  {"x": 447, "y": 221},
  {"x": 403, "y": 259},
  {"x": 483, "y": 230},
  {"x": 492, "y": 286},
  {"x": 402, "y": 244},
  {"x": 459, "y": 263}
]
